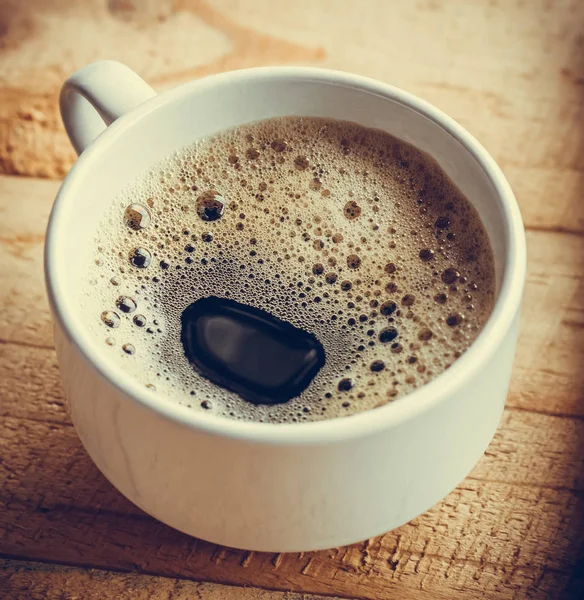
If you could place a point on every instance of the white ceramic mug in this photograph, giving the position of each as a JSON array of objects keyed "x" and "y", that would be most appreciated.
[{"x": 288, "y": 487}]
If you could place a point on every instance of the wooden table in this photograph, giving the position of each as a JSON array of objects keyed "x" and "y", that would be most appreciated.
[{"x": 512, "y": 72}]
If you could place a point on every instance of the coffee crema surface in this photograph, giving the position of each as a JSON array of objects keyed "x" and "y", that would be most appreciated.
[{"x": 289, "y": 270}]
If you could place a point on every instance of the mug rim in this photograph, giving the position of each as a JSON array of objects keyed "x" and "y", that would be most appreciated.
[{"x": 393, "y": 413}]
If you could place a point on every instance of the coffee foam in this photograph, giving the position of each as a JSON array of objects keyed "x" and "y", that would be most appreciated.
[{"x": 343, "y": 231}]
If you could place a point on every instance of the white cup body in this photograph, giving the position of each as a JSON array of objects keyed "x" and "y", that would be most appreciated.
[{"x": 292, "y": 487}]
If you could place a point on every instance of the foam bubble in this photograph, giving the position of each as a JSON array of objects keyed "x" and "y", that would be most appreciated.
[{"x": 345, "y": 232}]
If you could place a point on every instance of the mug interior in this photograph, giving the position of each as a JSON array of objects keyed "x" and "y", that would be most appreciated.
[{"x": 179, "y": 117}]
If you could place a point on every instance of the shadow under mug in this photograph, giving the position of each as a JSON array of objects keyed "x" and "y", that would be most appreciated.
[{"x": 258, "y": 486}]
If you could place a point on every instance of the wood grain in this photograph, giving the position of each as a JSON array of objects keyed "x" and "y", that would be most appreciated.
[
  {"x": 512, "y": 72},
  {"x": 548, "y": 375},
  {"x": 36, "y": 581},
  {"x": 24, "y": 211}
]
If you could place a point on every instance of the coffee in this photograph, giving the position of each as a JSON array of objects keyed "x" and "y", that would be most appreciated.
[
  {"x": 294, "y": 269},
  {"x": 248, "y": 350}
]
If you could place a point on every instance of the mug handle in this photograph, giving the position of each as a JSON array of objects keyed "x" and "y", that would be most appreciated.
[{"x": 95, "y": 96}]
